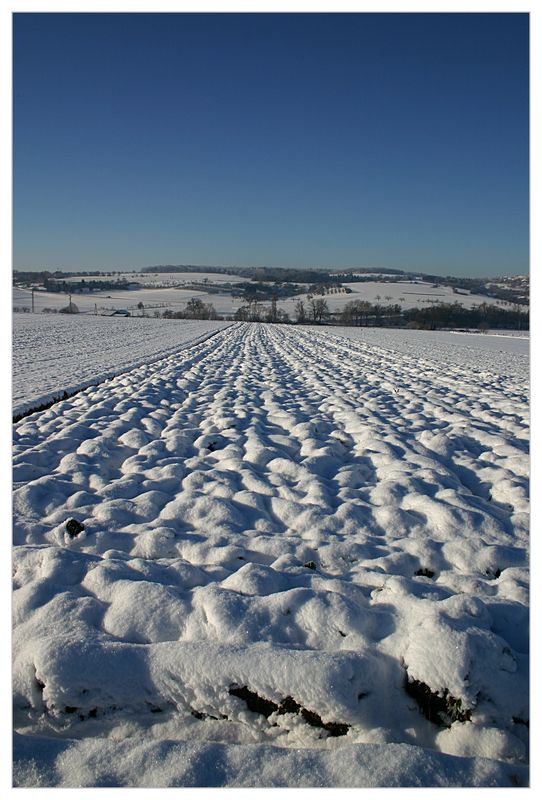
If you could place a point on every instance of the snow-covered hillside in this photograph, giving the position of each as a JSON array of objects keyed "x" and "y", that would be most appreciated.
[
  {"x": 168, "y": 292},
  {"x": 277, "y": 557},
  {"x": 106, "y": 301},
  {"x": 167, "y": 278},
  {"x": 407, "y": 294}
]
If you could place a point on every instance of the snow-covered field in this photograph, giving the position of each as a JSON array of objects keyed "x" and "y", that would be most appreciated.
[
  {"x": 406, "y": 294},
  {"x": 105, "y": 302},
  {"x": 57, "y": 354},
  {"x": 171, "y": 278},
  {"x": 506, "y": 351},
  {"x": 278, "y": 557}
]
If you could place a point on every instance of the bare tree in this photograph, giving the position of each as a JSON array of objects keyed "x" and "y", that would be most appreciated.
[
  {"x": 355, "y": 312},
  {"x": 242, "y": 314},
  {"x": 319, "y": 309},
  {"x": 274, "y": 308}
]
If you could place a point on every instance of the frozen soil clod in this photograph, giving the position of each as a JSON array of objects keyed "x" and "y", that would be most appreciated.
[
  {"x": 260, "y": 705},
  {"x": 438, "y": 707}
]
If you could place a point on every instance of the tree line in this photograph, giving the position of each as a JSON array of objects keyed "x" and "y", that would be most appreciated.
[
  {"x": 314, "y": 310},
  {"x": 362, "y": 313}
]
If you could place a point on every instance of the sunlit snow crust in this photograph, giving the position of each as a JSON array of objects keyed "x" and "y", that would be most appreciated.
[{"x": 285, "y": 514}]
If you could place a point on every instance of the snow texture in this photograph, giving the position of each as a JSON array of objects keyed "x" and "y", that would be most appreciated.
[
  {"x": 276, "y": 557},
  {"x": 53, "y": 355}
]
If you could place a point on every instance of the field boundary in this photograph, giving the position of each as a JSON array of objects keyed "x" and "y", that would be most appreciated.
[{"x": 42, "y": 404}]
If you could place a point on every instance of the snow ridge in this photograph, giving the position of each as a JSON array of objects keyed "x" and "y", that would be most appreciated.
[
  {"x": 54, "y": 357},
  {"x": 278, "y": 526}
]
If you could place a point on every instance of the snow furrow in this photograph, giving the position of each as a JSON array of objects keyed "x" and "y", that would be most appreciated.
[
  {"x": 54, "y": 357},
  {"x": 283, "y": 514}
]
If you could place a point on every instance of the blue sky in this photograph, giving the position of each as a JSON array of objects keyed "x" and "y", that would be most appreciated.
[{"x": 396, "y": 140}]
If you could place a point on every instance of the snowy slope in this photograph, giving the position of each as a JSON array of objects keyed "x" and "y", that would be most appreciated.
[
  {"x": 53, "y": 354},
  {"x": 105, "y": 302},
  {"x": 407, "y": 294},
  {"x": 303, "y": 562},
  {"x": 169, "y": 278}
]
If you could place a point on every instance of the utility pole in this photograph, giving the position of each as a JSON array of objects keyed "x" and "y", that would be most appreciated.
[{"x": 32, "y": 300}]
